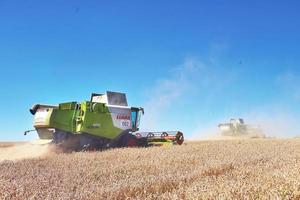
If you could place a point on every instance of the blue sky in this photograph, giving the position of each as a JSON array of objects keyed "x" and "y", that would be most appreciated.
[{"x": 191, "y": 64}]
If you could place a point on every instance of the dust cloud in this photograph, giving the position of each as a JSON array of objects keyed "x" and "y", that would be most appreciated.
[{"x": 24, "y": 151}]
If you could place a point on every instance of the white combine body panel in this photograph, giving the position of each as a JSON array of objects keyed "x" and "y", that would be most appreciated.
[{"x": 237, "y": 127}]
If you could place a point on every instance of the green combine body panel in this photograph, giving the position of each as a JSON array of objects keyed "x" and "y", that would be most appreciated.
[
  {"x": 97, "y": 122},
  {"x": 104, "y": 120}
]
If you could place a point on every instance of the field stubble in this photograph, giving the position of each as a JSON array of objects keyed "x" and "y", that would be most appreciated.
[{"x": 239, "y": 169}]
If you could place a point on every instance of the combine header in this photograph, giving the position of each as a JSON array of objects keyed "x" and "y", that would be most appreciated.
[{"x": 105, "y": 121}]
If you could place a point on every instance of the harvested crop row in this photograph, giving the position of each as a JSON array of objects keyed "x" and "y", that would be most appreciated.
[{"x": 233, "y": 169}]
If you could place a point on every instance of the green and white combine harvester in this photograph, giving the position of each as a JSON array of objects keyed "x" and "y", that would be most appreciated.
[{"x": 105, "y": 121}]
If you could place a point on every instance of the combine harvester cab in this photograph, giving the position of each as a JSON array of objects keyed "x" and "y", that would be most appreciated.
[{"x": 102, "y": 122}]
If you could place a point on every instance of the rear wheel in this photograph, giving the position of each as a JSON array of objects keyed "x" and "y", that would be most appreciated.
[{"x": 68, "y": 142}]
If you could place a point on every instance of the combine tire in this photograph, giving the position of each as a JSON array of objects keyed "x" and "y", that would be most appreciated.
[
  {"x": 179, "y": 138},
  {"x": 65, "y": 141},
  {"x": 127, "y": 140}
]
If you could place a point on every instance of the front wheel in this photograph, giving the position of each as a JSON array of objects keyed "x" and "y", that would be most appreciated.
[{"x": 128, "y": 140}]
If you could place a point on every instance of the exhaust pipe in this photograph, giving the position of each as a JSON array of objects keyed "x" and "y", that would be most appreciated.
[{"x": 35, "y": 107}]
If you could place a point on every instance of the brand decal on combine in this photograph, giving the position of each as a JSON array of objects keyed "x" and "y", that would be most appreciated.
[
  {"x": 126, "y": 117},
  {"x": 121, "y": 117},
  {"x": 124, "y": 121}
]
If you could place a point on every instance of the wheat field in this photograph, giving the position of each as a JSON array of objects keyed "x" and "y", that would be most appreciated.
[{"x": 237, "y": 169}]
